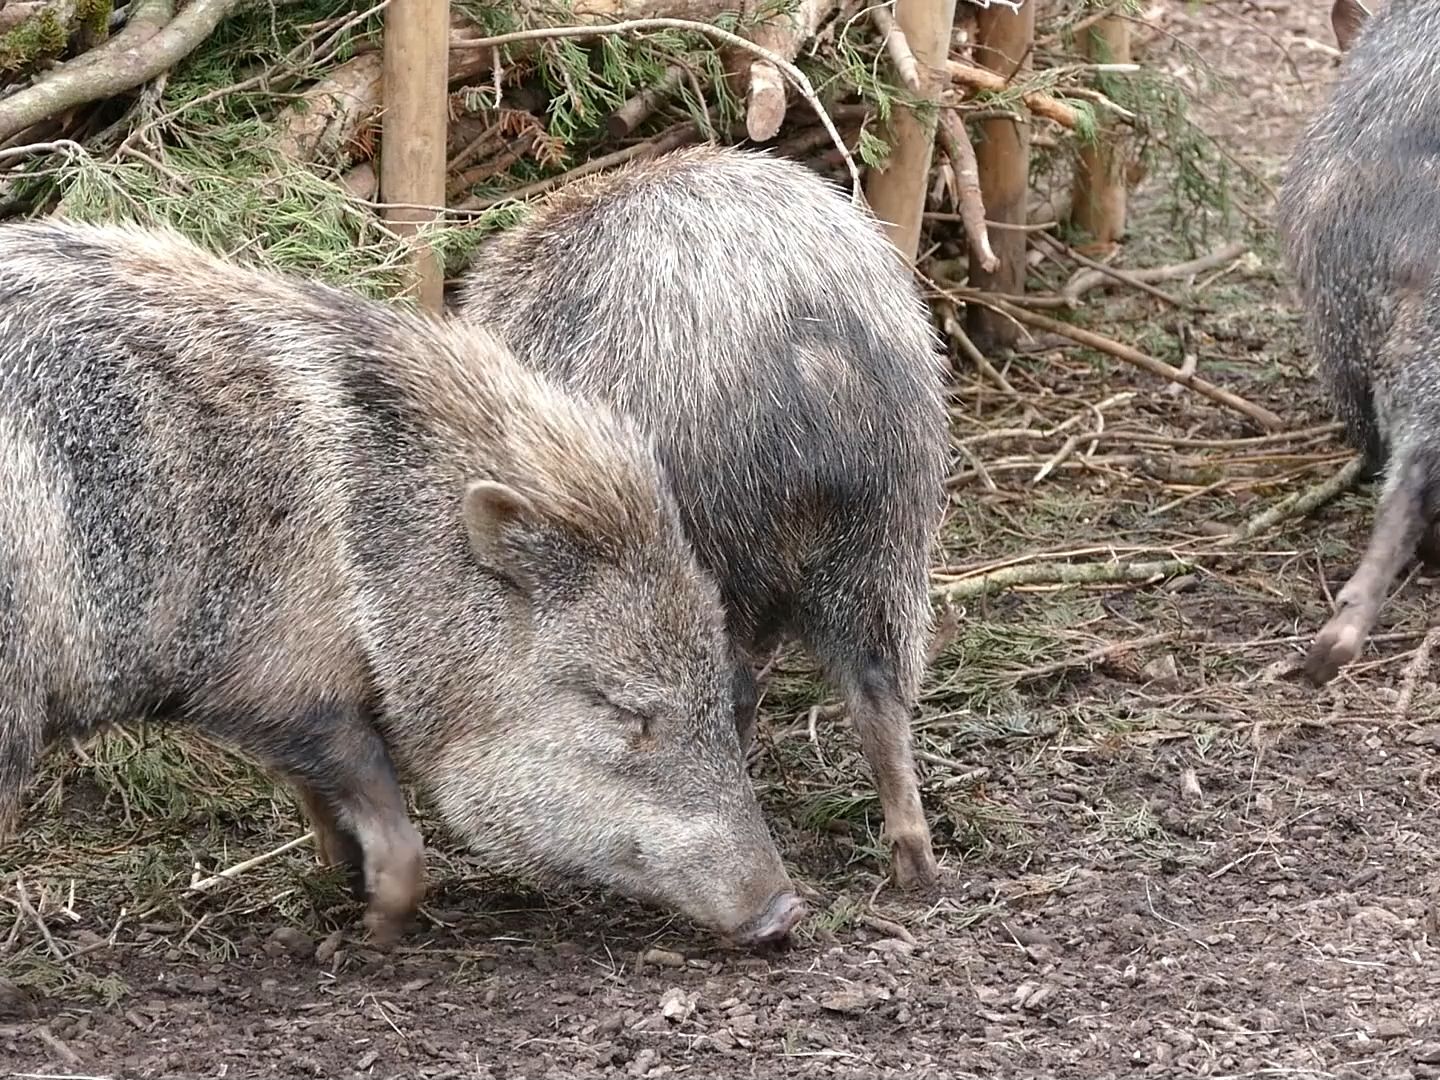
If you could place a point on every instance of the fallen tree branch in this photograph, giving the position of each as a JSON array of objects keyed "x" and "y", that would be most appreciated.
[
  {"x": 327, "y": 115},
  {"x": 1218, "y": 394},
  {"x": 147, "y": 46},
  {"x": 36, "y": 34},
  {"x": 783, "y": 36},
  {"x": 798, "y": 78},
  {"x": 1040, "y": 104},
  {"x": 1302, "y": 503},
  {"x": 1093, "y": 573},
  {"x": 953, "y": 137},
  {"x": 1296, "y": 504},
  {"x": 1084, "y": 282},
  {"x": 1125, "y": 277}
]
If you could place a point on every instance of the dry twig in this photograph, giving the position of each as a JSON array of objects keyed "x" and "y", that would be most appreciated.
[
  {"x": 229, "y": 873},
  {"x": 1417, "y": 670}
]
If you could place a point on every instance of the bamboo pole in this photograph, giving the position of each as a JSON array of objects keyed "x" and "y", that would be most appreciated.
[
  {"x": 897, "y": 195},
  {"x": 412, "y": 148},
  {"x": 1098, "y": 196},
  {"x": 1002, "y": 155}
]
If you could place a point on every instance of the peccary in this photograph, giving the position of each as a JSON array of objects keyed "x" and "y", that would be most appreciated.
[
  {"x": 337, "y": 534},
  {"x": 769, "y": 336},
  {"x": 1360, "y": 218}
]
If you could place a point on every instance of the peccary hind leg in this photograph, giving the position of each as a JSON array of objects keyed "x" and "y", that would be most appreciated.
[
  {"x": 1401, "y": 521},
  {"x": 340, "y": 765},
  {"x": 882, "y": 717},
  {"x": 871, "y": 686}
]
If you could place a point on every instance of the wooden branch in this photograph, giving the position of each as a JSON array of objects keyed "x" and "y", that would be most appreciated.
[
  {"x": 1040, "y": 104},
  {"x": 631, "y": 26},
  {"x": 897, "y": 193},
  {"x": 1084, "y": 282},
  {"x": 1003, "y": 43},
  {"x": 782, "y": 35},
  {"x": 637, "y": 110},
  {"x": 1261, "y": 415},
  {"x": 35, "y": 34},
  {"x": 952, "y": 135},
  {"x": 1098, "y": 193},
  {"x": 1122, "y": 276},
  {"x": 148, "y": 45},
  {"x": 326, "y": 117},
  {"x": 412, "y": 149},
  {"x": 1046, "y": 573}
]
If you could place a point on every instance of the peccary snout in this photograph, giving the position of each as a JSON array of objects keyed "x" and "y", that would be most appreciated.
[
  {"x": 726, "y": 878},
  {"x": 779, "y": 918}
]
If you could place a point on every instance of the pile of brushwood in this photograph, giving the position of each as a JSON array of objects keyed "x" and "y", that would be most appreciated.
[{"x": 255, "y": 127}]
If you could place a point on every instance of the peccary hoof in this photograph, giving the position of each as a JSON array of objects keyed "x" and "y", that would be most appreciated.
[{"x": 1326, "y": 657}]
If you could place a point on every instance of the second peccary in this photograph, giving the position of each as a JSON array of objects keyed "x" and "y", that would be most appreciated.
[
  {"x": 770, "y": 336},
  {"x": 1360, "y": 218},
  {"x": 355, "y": 541}
]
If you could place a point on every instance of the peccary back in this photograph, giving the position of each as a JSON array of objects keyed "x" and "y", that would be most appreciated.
[
  {"x": 768, "y": 334},
  {"x": 350, "y": 539}
]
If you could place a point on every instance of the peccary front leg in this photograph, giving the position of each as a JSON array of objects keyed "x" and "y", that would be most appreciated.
[
  {"x": 333, "y": 845},
  {"x": 337, "y": 760},
  {"x": 1400, "y": 522},
  {"x": 745, "y": 694}
]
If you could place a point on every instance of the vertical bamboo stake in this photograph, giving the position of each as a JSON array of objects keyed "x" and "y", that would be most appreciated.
[
  {"x": 413, "y": 132},
  {"x": 1002, "y": 154},
  {"x": 897, "y": 195},
  {"x": 1097, "y": 198}
]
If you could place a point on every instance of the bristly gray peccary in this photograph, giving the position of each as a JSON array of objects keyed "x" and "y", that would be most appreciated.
[
  {"x": 766, "y": 332},
  {"x": 1359, "y": 214},
  {"x": 358, "y": 542}
]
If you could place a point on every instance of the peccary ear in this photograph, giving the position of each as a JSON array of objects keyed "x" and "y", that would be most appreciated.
[
  {"x": 494, "y": 516},
  {"x": 1346, "y": 19}
]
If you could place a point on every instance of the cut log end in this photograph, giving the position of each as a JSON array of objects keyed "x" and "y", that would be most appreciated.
[{"x": 765, "y": 111}]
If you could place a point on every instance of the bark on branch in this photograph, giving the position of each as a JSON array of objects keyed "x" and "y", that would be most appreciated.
[
  {"x": 953, "y": 137},
  {"x": 1040, "y": 104},
  {"x": 152, "y": 42}
]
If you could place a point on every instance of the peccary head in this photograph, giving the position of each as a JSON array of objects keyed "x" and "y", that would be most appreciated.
[
  {"x": 578, "y": 723},
  {"x": 622, "y": 762}
]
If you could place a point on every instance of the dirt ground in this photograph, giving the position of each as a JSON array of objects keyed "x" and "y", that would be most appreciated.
[{"x": 1166, "y": 858}]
